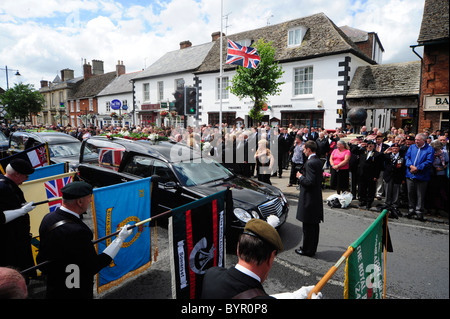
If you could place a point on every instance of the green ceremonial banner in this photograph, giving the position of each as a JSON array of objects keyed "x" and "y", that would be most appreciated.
[{"x": 363, "y": 275}]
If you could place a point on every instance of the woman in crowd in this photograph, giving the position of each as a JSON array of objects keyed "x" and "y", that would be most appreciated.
[{"x": 339, "y": 162}]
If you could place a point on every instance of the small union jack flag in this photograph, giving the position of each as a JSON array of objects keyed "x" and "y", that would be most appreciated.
[
  {"x": 53, "y": 189},
  {"x": 244, "y": 56},
  {"x": 110, "y": 156}
]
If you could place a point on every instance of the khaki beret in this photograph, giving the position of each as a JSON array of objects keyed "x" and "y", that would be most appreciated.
[
  {"x": 22, "y": 166},
  {"x": 264, "y": 231},
  {"x": 76, "y": 190}
]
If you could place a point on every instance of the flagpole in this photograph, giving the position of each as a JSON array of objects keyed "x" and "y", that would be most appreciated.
[
  {"x": 221, "y": 66},
  {"x": 318, "y": 287}
]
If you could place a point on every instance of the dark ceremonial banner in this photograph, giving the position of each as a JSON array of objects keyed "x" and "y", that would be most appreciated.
[{"x": 197, "y": 242}]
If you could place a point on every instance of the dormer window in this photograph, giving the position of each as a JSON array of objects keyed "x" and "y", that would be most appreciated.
[
  {"x": 245, "y": 42},
  {"x": 295, "y": 36}
]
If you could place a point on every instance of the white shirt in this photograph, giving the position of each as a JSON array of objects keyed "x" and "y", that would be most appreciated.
[
  {"x": 247, "y": 272},
  {"x": 69, "y": 211}
]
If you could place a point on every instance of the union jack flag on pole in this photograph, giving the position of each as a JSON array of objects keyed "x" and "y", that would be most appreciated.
[{"x": 244, "y": 56}]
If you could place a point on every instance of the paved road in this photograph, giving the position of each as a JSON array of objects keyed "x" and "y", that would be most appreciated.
[{"x": 418, "y": 268}]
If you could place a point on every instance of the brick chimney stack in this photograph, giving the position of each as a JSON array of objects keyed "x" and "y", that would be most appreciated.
[
  {"x": 216, "y": 35},
  {"x": 120, "y": 68},
  {"x": 44, "y": 83},
  {"x": 87, "y": 70},
  {"x": 185, "y": 44}
]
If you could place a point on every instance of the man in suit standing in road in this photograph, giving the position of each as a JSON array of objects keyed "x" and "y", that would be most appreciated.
[{"x": 310, "y": 205}]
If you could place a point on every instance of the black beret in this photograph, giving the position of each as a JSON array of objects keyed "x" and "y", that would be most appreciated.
[
  {"x": 395, "y": 145},
  {"x": 370, "y": 142},
  {"x": 76, "y": 190},
  {"x": 22, "y": 166},
  {"x": 264, "y": 231}
]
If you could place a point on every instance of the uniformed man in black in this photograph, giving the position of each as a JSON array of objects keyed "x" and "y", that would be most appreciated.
[
  {"x": 369, "y": 168},
  {"x": 66, "y": 242},
  {"x": 257, "y": 248},
  {"x": 15, "y": 238}
]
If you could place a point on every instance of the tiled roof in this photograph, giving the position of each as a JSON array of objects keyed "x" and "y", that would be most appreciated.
[
  {"x": 386, "y": 80},
  {"x": 435, "y": 21},
  {"x": 182, "y": 60},
  {"x": 120, "y": 84},
  {"x": 322, "y": 38},
  {"x": 92, "y": 86}
]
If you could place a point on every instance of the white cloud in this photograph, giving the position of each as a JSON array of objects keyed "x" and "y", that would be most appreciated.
[{"x": 42, "y": 37}]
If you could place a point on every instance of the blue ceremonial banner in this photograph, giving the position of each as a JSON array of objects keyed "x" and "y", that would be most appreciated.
[
  {"x": 46, "y": 171},
  {"x": 113, "y": 207}
]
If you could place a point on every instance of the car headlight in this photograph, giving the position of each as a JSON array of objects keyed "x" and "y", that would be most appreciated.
[{"x": 243, "y": 215}]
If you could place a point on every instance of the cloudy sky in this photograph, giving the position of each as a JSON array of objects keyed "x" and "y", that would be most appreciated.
[{"x": 40, "y": 38}]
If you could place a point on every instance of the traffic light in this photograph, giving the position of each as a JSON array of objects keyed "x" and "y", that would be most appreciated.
[
  {"x": 179, "y": 101},
  {"x": 190, "y": 102}
]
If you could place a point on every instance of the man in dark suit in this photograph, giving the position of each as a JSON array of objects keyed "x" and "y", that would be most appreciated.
[
  {"x": 380, "y": 147},
  {"x": 369, "y": 167},
  {"x": 394, "y": 174},
  {"x": 284, "y": 145},
  {"x": 256, "y": 250},
  {"x": 310, "y": 205},
  {"x": 66, "y": 242}
]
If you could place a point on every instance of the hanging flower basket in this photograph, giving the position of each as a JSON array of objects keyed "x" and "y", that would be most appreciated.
[
  {"x": 114, "y": 115},
  {"x": 164, "y": 113}
]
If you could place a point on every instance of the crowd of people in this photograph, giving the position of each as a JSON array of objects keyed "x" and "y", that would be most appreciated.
[{"x": 372, "y": 165}]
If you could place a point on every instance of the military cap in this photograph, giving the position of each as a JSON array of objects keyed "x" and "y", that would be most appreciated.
[
  {"x": 76, "y": 190},
  {"x": 264, "y": 231},
  {"x": 22, "y": 166},
  {"x": 395, "y": 145},
  {"x": 370, "y": 142}
]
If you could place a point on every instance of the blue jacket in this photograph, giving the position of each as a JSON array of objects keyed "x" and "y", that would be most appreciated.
[{"x": 424, "y": 161}]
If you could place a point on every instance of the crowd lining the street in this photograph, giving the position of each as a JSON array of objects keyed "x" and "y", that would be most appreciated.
[{"x": 343, "y": 166}]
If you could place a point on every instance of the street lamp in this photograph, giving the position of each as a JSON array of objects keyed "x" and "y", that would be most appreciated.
[{"x": 7, "y": 80}]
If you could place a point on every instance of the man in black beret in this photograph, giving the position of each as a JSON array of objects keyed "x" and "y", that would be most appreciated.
[
  {"x": 66, "y": 242},
  {"x": 258, "y": 245},
  {"x": 15, "y": 240},
  {"x": 369, "y": 167}
]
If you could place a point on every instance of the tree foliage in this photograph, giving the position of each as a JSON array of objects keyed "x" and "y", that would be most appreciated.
[
  {"x": 259, "y": 83},
  {"x": 21, "y": 101}
]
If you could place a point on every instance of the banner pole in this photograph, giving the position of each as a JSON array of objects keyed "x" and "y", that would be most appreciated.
[
  {"x": 133, "y": 226},
  {"x": 103, "y": 238},
  {"x": 385, "y": 257},
  {"x": 330, "y": 272},
  {"x": 47, "y": 201}
]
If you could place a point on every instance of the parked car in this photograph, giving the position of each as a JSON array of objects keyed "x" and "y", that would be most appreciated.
[
  {"x": 182, "y": 174},
  {"x": 62, "y": 147},
  {"x": 3, "y": 145}
]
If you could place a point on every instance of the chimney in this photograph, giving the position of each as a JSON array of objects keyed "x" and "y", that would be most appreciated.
[
  {"x": 216, "y": 35},
  {"x": 120, "y": 68},
  {"x": 66, "y": 75},
  {"x": 44, "y": 84},
  {"x": 87, "y": 70},
  {"x": 97, "y": 67},
  {"x": 185, "y": 44}
]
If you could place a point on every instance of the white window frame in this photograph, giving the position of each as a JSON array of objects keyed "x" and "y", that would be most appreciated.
[
  {"x": 303, "y": 81},
  {"x": 160, "y": 91},
  {"x": 146, "y": 92},
  {"x": 225, "y": 92},
  {"x": 295, "y": 36}
]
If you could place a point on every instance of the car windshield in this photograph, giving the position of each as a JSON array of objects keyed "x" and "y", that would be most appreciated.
[
  {"x": 62, "y": 150},
  {"x": 200, "y": 172},
  {"x": 3, "y": 138}
]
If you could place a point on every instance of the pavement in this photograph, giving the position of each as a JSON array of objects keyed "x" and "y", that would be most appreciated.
[{"x": 293, "y": 192}]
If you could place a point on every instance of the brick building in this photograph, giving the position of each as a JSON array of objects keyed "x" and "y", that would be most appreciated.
[{"x": 434, "y": 93}]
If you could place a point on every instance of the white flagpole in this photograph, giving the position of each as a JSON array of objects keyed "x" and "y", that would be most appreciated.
[{"x": 221, "y": 68}]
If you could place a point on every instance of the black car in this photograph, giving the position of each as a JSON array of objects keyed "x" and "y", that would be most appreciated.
[
  {"x": 62, "y": 147},
  {"x": 3, "y": 145},
  {"x": 183, "y": 176}
]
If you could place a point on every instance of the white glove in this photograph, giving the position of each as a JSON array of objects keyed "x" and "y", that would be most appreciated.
[
  {"x": 16, "y": 213},
  {"x": 114, "y": 247},
  {"x": 302, "y": 293},
  {"x": 273, "y": 220}
]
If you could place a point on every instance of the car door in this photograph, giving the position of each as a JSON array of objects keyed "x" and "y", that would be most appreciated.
[
  {"x": 100, "y": 165},
  {"x": 169, "y": 193}
]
